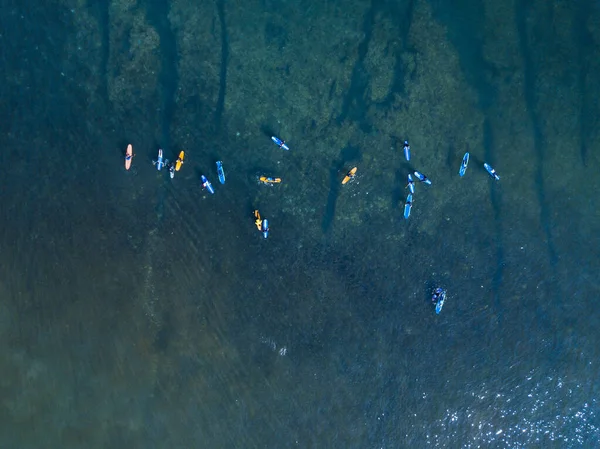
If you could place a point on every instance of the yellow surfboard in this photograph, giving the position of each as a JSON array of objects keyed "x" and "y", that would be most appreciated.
[
  {"x": 350, "y": 175},
  {"x": 179, "y": 161},
  {"x": 267, "y": 180},
  {"x": 258, "y": 221}
]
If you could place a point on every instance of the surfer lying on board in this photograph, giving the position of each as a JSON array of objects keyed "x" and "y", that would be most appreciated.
[
  {"x": 269, "y": 181},
  {"x": 411, "y": 184},
  {"x": 160, "y": 162},
  {"x": 438, "y": 298},
  {"x": 128, "y": 156},
  {"x": 280, "y": 143},
  {"x": 436, "y": 295},
  {"x": 350, "y": 175},
  {"x": 258, "y": 221}
]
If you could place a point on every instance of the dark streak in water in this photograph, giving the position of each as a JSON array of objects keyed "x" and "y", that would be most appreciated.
[
  {"x": 101, "y": 10},
  {"x": 465, "y": 32},
  {"x": 522, "y": 10},
  {"x": 158, "y": 16},
  {"x": 224, "y": 60},
  {"x": 404, "y": 17},
  {"x": 332, "y": 90},
  {"x": 585, "y": 47},
  {"x": 494, "y": 198},
  {"x": 354, "y": 105},
  {"x": 163, "y": 336},
  {"x": 334, "y": 189}
]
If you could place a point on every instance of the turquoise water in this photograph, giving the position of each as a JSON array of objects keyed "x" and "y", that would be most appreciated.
[{"x": 140, "y": 311}]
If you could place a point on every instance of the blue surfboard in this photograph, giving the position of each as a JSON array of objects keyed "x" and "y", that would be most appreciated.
[
  {"x": 408, "y": 206},
  {"x": 207, "y": 185},
  {"x": 463, "y": 165},
  {"x": 280, "y": 143},
  {"x": 440, "y": 303},
  {"x": 221, "y": 172},
  {"x": 411, "y": 184},
  {"x": 491, "y": 171},
  {"x": 406, "y": 150}
]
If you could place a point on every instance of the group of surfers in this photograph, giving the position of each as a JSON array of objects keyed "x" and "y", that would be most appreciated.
[{"x": 262, "y": 224}]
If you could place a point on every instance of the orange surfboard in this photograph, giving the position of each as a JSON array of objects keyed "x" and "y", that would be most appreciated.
[
  {"x": 179, "y": 161},
  {"x": 350, "y": 175},
  {"x": 128, "y": 157},
  {"x": 268, "y": 180}
]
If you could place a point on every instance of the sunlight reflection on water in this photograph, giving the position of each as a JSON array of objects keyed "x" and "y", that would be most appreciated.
[{"x": 520, "y": 417}]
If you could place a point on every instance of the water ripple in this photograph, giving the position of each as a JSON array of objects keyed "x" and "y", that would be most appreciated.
[{"x": 551, "y": 410}]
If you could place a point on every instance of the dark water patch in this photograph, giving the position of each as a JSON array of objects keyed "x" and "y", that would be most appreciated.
[
  {"x": 399, "y": 192},
  {"x": 164, "y": 335},
  {"x": 354, "y": 105},
  {"x": 117, "y": 436},
  {"x": 464, "y": 22},
  {"x": 332, "y": 88},
  {"x": 101, "y": 11},
  {"x": 276, "y": 34},
  {"x": 522, "y": 15},
  {"x": 344, "y": 300},
  {"x": 33, "y": 54},
  {"x": 157, "y": 12},
  {"x": 403, "y": 13},
  {"x": 223, "y": 69},
  {"x": 35, "y": 60},
  {"x": 585, "y": 51},
  {"x": 495, "y": 200},
  {"x": 267, "y": 130}
]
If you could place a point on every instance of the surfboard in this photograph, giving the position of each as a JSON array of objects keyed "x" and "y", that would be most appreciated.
[
  {"x": 279, "y": 142},
  {"x": 411, "y": 184},
  {"x": 408, "y": 206},
  {"x": 421, "y": 177},
  {"x": 221, "y": 172},
  {"x": 350, "y": 175},
  {"x": 267, "y": 180},
  {"x": 440, "y": 303},
  {"x": 206, "y": 184},
  {"x": 491, "y": 171},
  {"x": 128, "y": 157},
  {"x": 464, "y": 164},
  {"x": 179, "y": 162},
  {"x": 258, "y": 221}
]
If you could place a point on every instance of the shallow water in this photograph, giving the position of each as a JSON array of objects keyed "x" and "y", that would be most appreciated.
[{"x": 140, "y": 311}]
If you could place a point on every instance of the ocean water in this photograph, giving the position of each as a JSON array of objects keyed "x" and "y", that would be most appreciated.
[{"x": 138, "y": 311}]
